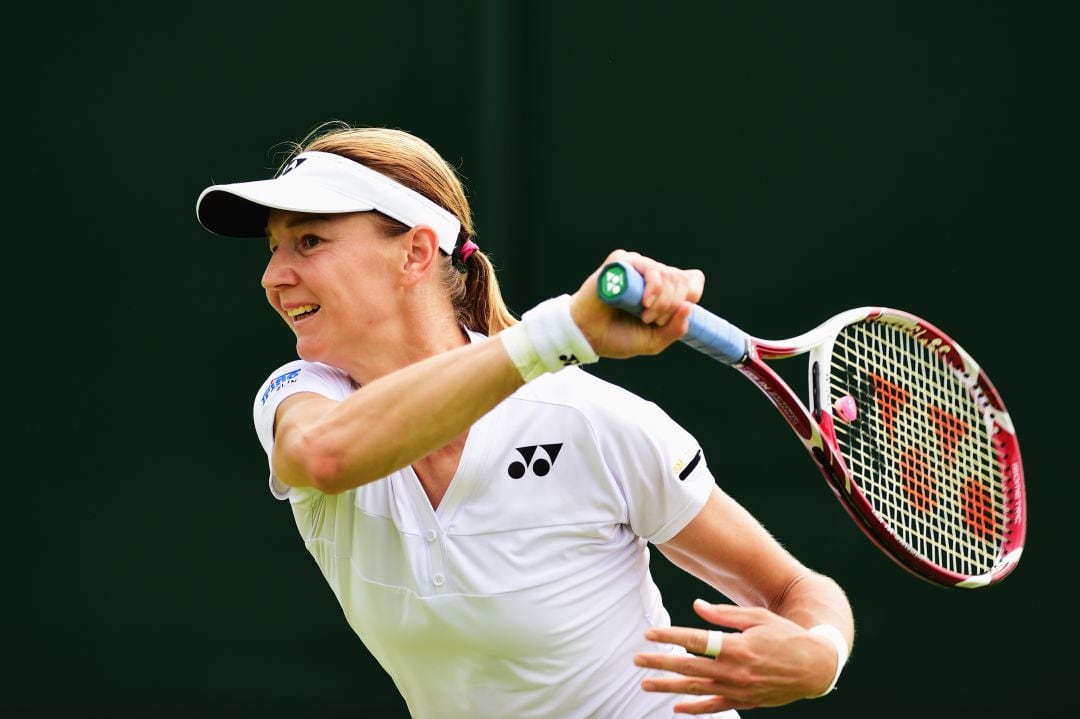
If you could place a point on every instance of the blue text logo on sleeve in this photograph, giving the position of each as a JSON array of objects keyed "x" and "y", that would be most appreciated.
[{"x": 279, "y": 382}]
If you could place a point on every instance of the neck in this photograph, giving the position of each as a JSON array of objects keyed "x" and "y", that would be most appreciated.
[{"x": 415, "y": 337}]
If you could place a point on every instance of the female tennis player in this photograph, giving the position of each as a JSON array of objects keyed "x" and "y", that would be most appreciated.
[{"x": 480, "y": 505}]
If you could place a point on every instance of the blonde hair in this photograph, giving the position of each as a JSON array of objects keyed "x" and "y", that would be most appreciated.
[{"x": 405, "y": 158}]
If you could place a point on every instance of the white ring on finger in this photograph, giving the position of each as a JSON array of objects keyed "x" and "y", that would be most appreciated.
[{"x": 714, "y": 643}]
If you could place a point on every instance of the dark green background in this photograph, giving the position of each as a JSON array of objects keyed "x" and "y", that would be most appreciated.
[{"x": 809, "y": 157}]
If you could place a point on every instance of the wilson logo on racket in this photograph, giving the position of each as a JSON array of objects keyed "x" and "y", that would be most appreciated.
[{"x": 539, "y": 465}]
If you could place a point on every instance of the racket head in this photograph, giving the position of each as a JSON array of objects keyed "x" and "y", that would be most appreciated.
[{"x": 919, "y": 447}]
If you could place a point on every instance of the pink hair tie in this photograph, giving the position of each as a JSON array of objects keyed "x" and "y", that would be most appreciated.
[
  {"x": 466, "y": 250},
  {"x": 464, "y": 253}
]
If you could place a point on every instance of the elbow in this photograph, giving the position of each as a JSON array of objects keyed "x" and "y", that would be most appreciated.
[
  {"x": 324, "y": 473},
  {"x": 332, "y": 468},
  {"x": 320, "y": 464}
]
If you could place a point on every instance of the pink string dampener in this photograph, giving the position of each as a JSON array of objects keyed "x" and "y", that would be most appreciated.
[{"x": 846, "y": 409}]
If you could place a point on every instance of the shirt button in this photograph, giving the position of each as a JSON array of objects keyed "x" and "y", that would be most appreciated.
[
  {"x": 438, "y": 580},
  {"x": 431, "y": 535}
]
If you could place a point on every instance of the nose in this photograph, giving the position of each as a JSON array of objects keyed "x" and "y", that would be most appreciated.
[{"x": 279, "y": 272}]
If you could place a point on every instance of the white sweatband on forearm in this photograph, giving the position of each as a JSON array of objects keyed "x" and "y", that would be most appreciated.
[
  {"x": 546, "y": 340},
  {"x": 835, "y": 636}
]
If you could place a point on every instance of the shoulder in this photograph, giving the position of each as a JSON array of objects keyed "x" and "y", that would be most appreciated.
[
  {"x": 304, "y": 376},
  {"x": 289, "y": 379},
  {"x": 293, "y": 377}
]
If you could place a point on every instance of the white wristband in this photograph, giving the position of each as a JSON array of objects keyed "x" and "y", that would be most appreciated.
[
  {"x": 837, "y": 638},
  {"x": 546, "y": 340}
]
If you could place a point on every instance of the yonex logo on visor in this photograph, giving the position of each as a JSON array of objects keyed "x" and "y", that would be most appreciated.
[
  {"x": 320, "y": 183},
  {"x": 296, "y": 161}
]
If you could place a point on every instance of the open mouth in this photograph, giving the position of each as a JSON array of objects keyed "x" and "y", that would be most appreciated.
[{"x": 302, "y": 312}]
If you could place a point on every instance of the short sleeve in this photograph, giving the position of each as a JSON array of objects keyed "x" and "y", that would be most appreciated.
[
  {"x": 287, "y": 380},
  {"x": 658, "y": 466}
]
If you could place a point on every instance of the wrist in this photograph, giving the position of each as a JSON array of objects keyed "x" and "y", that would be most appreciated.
[
  {"x": 546, "y": 340},
  {"x": 836, "y": 638}
]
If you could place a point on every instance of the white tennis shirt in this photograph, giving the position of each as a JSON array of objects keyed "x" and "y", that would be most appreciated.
[{"x": 527, "y": 591}]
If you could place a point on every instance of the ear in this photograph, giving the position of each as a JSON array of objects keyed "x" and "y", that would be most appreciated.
[{"x": 421, "y": 251}]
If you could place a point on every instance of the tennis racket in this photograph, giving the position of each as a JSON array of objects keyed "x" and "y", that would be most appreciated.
[{"x": 907, "y": 429}]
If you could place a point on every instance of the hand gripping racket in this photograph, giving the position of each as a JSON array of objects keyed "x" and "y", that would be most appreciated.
[{"x": 910, "y": 434}]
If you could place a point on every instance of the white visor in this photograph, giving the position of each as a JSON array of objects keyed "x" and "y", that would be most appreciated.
[{"x": 320, "y": 183}]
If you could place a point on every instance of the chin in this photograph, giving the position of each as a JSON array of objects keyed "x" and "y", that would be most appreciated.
[{"x": 309, "y": 351}]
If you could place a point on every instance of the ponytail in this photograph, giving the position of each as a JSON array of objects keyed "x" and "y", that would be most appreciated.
[{"x": 475, "y": 293}]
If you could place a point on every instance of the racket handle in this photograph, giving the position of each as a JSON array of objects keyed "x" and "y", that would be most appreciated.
[{"x": 621, "y": 286}]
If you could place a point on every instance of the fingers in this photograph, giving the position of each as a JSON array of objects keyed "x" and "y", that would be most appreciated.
[
  {"x": 708, "y": 706},
  {"x": 669, "y": 291},
  {"x": 668, "y": 301},
  {"x": 693, "y": 679},
  {"x": 769, "y": 661},
  {"x": 693, "y": 685},
  {"x": 696, "y": 640},
  {"x": 731, "y": 615},
  {"x": 693, "y": 640},
  {"x": 688, "y": 666}
]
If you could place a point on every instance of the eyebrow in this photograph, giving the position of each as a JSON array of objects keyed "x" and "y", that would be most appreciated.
[{"x": 300, "y": 220}]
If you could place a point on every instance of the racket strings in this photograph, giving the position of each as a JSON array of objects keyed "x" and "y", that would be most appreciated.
[
  {"x": 920, "y": 450},
  {"x": 919, "y": 473},
  {"x": 919, "y": 501}
]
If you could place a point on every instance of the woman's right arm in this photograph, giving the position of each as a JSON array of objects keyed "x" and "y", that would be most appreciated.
[
  {"x": 391, "y": 422},
  {"x": 406, "y": 415}
]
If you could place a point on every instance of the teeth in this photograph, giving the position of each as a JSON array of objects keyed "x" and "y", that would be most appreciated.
[{"x": 294, "y": 311}]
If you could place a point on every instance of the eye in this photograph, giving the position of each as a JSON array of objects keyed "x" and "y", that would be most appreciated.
[{"x": 308, "y": 242}]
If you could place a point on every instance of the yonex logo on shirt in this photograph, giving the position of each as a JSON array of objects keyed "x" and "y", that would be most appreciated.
[{"x": 540, "y": 467}]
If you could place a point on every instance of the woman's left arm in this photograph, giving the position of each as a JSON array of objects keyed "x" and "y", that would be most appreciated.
[{"x": 773, "y": 658}]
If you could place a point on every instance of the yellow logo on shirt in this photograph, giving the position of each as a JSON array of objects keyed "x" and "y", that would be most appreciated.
[{"x": 685, "y": 465}]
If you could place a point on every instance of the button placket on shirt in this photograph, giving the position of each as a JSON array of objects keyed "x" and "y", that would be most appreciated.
[{"x": 436, "y": 559}]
